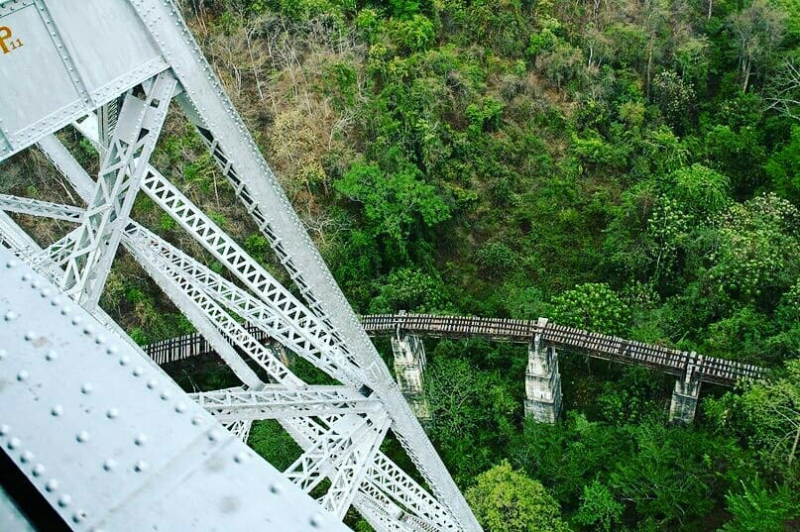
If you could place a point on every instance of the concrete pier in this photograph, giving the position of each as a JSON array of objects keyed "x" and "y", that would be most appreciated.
[
  {"x": 683, "y": 407},
  {"x": 542, "y": 381},
  {"x": 409, "y": 367}
]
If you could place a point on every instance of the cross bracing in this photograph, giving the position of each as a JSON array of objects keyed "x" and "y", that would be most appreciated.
[
  {"x": 333, "y": 447},
  {"x": 67, "y": 213},
  {"x": 239, "y": 428},
  {"x": 93, "y": 246},
  {"x": 121, "y": 105},
  {"x": 277, "y": 402}
]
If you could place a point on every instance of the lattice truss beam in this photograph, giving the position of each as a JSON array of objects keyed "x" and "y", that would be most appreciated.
[
  {"x": 339, "y": 428},
  {"x": 91, "y": 249},
  {"x": 278, "y": 402}
]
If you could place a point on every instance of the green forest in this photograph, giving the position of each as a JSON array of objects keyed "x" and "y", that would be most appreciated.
[{"x": 630, "y": 167}]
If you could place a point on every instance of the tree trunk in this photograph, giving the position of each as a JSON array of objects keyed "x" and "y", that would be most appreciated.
[
  {"x": 747, "y": 67},
  {"x": 794, "y": 446},
  {"x": 710, "y": 8}
]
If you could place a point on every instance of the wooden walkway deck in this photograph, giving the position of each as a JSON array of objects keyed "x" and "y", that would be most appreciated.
[{"x": 612, "y": 348}]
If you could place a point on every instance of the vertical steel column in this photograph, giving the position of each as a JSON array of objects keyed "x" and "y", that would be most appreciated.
[{"x": 124, "y": 165}]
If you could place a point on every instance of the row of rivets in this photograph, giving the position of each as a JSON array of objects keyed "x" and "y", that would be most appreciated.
[
  {"x": 14, "y": 442},
  {"x": 26, "y": 457},
  {"x": 87, "y": 388}
]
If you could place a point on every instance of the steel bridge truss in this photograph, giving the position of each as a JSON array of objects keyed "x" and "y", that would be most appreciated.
[
  {"x": 339, "y": 428},
  {"x": 397, "y": 489}
]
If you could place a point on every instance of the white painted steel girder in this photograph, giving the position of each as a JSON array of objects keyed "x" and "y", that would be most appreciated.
[
  {"x": 109, "y": 442},
  {"x": 59, "y": 252},
  {"x": 229, "y": 170},
  {"x": 67, "y": 165},
  {"x": 345, "y": 477},
  {"x": 33, "y": 207},
  {"x": 418, "y": 502}
]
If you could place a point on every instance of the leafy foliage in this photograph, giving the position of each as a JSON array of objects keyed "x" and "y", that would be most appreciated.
[
  {"x": 755, "y": 508},
  {"x": 464, "y": 402},
  {"x": 784, "y": 168},
  {"x": 594, "y": 307},
  {"x": 667, "y": 475},
  {"x": 598, "y": 507},
  {"x": 767, "y": 415},
  {"x": 508, "y": 501},
  {"x": 675, "y": 98},
  {"x": 393, "y": 203},
  {"x": 412, "y": 291}
]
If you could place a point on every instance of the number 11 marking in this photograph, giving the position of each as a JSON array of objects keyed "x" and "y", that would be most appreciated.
[{"x": 7, "y": 43}]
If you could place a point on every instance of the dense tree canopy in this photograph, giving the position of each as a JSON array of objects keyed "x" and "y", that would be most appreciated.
[
  {"x": 507, "y": 501},
  {"x": 628, "y": 167}
]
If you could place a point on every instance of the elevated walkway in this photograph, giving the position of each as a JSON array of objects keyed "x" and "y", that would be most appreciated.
[{"x": 542, "y": 337}]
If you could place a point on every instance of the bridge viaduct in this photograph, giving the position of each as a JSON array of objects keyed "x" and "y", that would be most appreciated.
[{"x": 544, "y": 340}]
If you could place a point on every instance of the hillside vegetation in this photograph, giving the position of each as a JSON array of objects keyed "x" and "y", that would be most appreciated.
[{"x": 631, "y": 167}]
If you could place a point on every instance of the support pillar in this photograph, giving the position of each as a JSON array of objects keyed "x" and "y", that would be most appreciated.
[
  {"x": 542, "y": 381},
  {"x": 686, "y": 394},
  {"x": 409, "y": 366}
]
